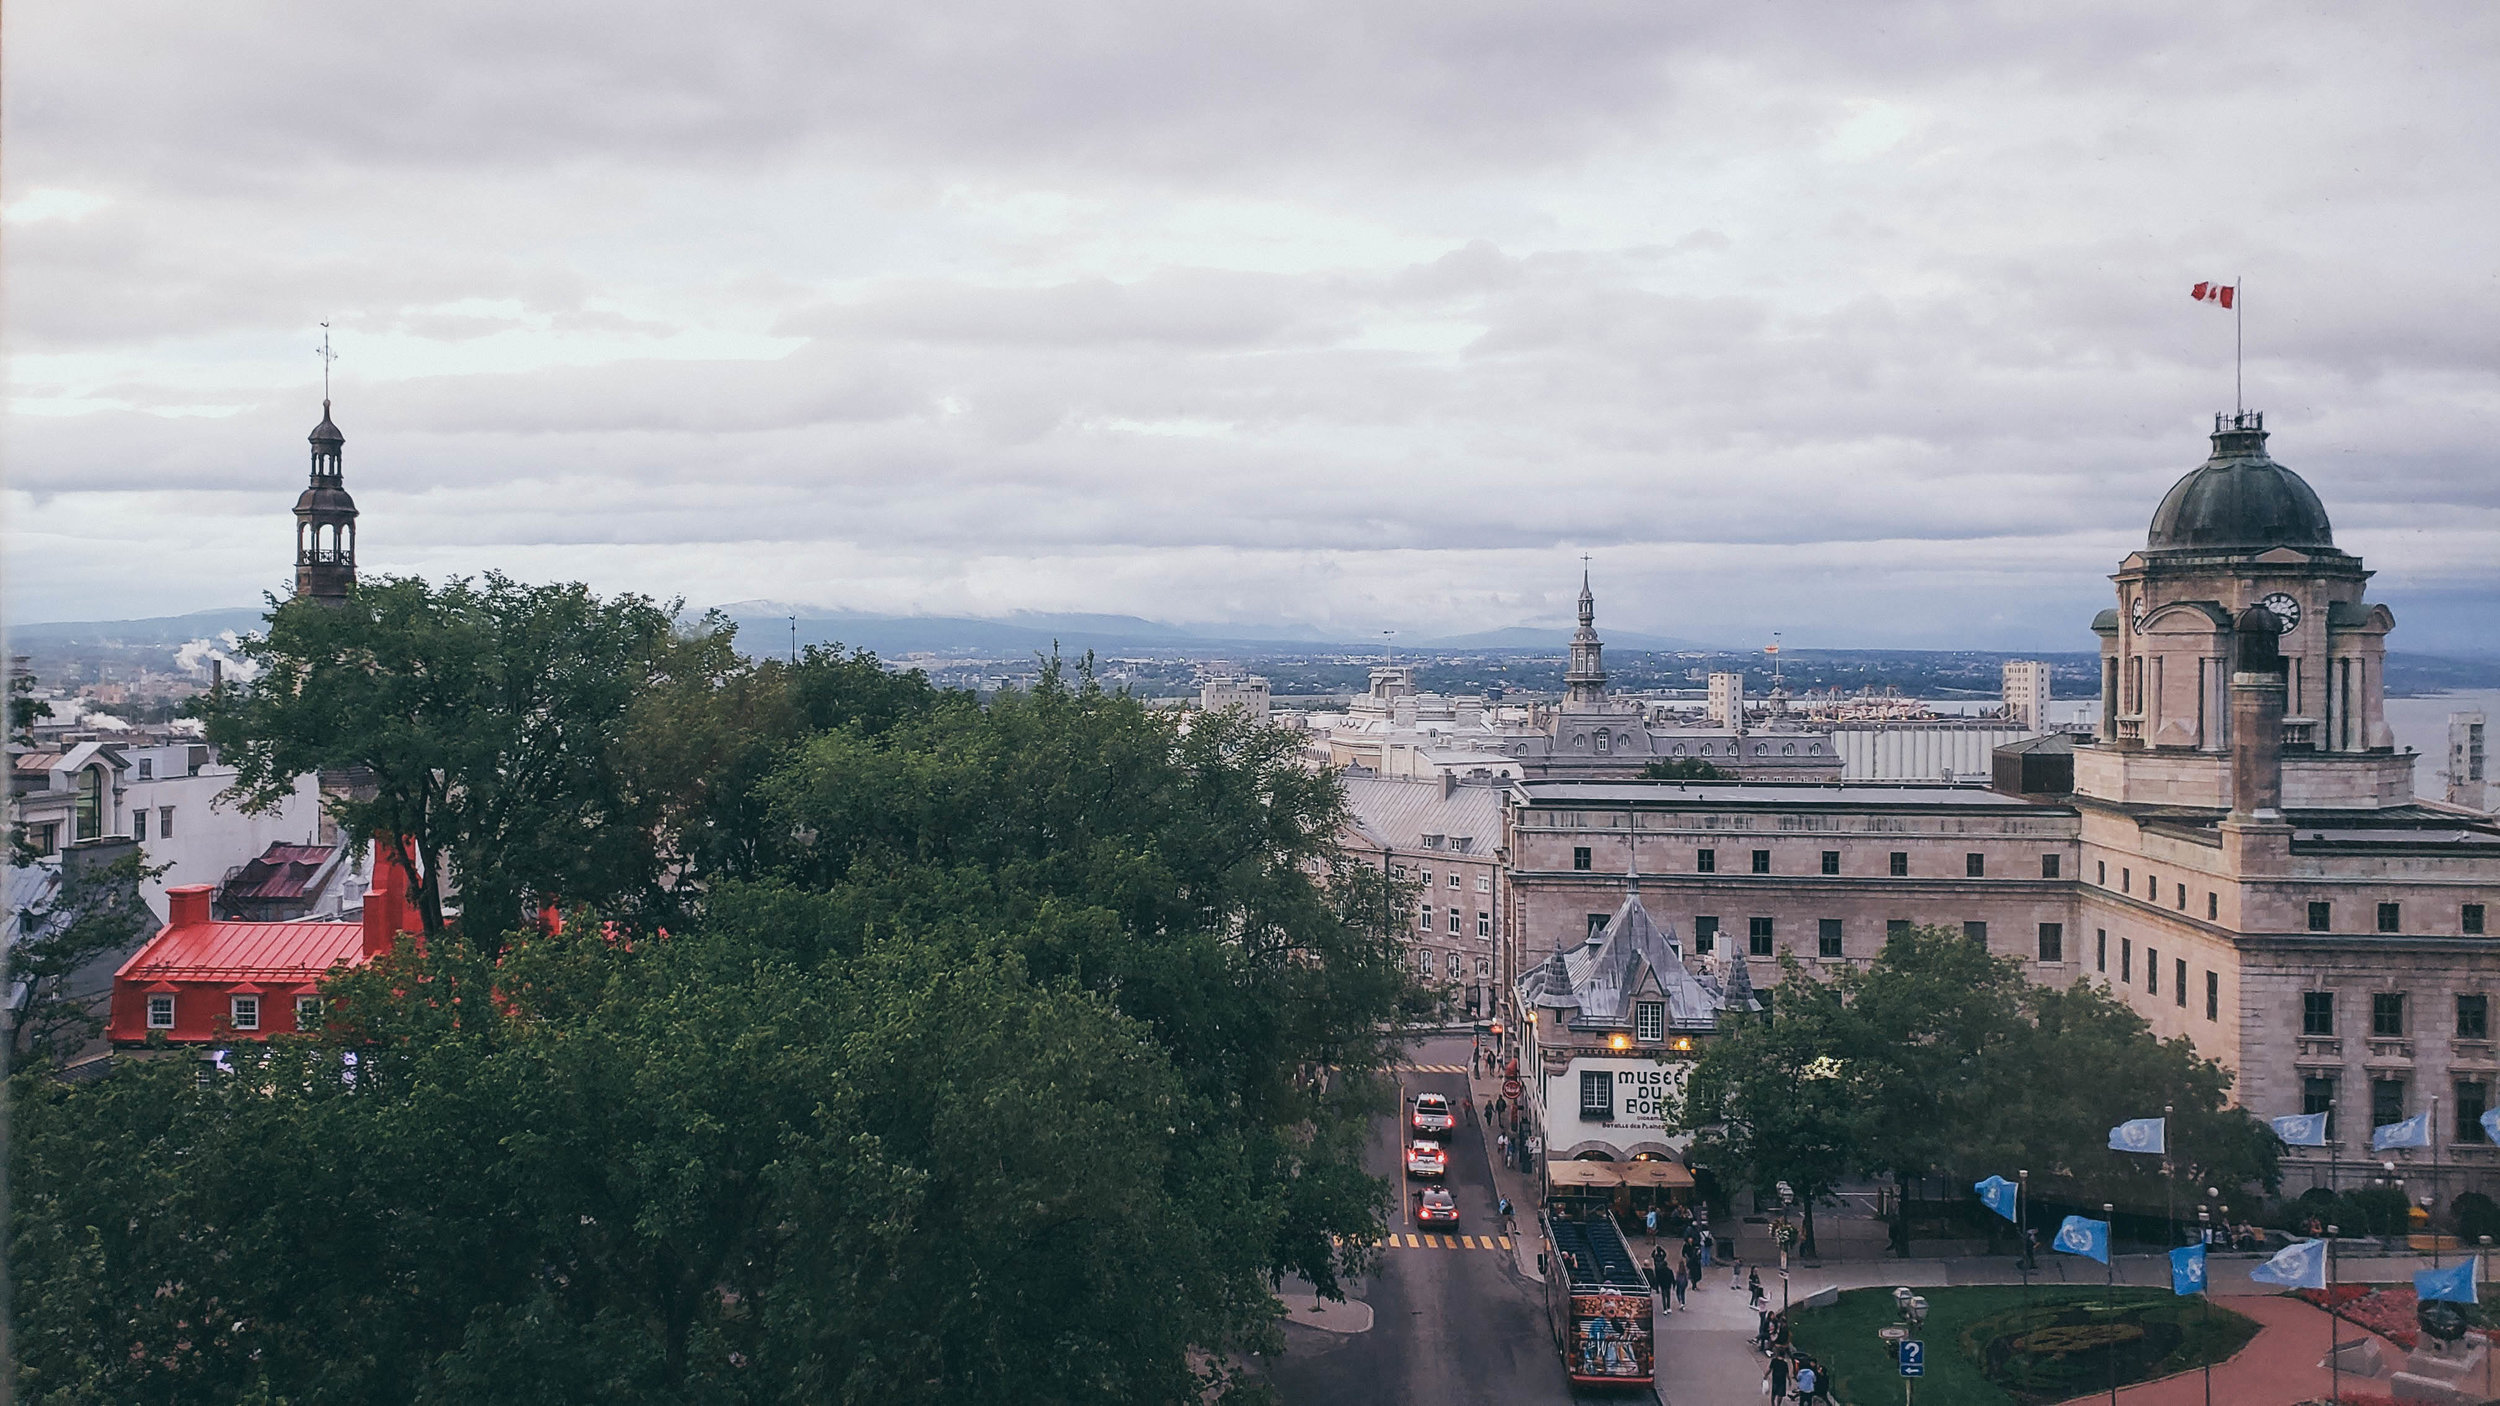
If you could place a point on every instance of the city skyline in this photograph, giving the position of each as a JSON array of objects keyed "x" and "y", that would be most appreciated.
[{"x": 1877, "y": 337}]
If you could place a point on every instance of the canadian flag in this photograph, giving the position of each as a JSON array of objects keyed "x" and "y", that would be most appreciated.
[{"x": 2221, "y": 293}]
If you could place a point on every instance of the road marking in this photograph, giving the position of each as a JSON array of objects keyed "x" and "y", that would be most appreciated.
[
  {"x": 1505, "y": 1241},
  {"x": 1410, "y": 1242},
  {"x": 1436, "y": 1068}
]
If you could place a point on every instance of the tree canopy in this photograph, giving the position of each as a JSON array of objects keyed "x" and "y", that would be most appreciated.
[{"x": 912, "y": 1049}]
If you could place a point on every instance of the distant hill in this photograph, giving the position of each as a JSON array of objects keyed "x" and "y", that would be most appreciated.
[
  {"x": 171, "y": 631},
  {"x": 1554, "y": 637}
]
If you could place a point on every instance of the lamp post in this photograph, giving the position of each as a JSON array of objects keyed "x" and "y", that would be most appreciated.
[
  {"x": 2433, "y": 1228},
  {"x": 2109, "y": 1266},
  {"x": 2334, "y": 1363},
  {"x": 2482, "y": 1268},
  {"x": 1787, "y": 1232},
  {"x": 2169, "y": 1185},
  {"x": 1911, "y": 1310},
  {"x": 2022, "y": 1221},
  {"x": 2205, "y": 1238}
]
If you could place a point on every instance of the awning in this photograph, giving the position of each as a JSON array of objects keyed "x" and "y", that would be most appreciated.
[{"x": 1656, "y": 1175}]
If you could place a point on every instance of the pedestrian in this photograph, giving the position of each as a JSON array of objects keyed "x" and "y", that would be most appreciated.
[
  {"x": 1652, "y": 1219},
  {"x": 1706, "y": 1247},
  {"x": 1661, "y": 1278},
  {"x": 1683, "y": 1281},
  {"x": 1735, "y": 1267},
  {"x": 1467, "y": 1106},
  {"x": 1775, "y": 1378},
  {"x": 1807, "y": 1379},
  {"x": 1502, "y": 1141},
  {"x": 1753, "y": 1287}
]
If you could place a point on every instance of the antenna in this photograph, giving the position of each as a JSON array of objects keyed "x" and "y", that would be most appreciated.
[
  {"x": 794, "y": 637},
  {"x": 327, "y": 356}
]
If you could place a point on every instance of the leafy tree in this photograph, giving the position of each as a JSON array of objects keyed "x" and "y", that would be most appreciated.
[
  {"x": 25, "y": 710},
  {"x": 1685, "y": 769},
  {"x": 1771, "y": 1099},
  {"x": 479, "y": 722},
  {"x": 55, "y": 952}
]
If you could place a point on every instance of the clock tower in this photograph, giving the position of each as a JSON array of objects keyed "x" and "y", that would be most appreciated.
[{"x": 2242, "y": 531}]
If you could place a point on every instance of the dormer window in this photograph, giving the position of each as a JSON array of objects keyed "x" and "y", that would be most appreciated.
[{"x": 1649, "y": 1020}]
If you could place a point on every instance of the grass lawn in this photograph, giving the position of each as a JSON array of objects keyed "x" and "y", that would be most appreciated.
[{"x": 2166, "y": 1333}]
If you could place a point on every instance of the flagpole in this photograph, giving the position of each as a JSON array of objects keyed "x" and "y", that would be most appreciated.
[
  {"x": 2239, "y": 300},
  {"x": 2334, "y": 1364},
  {"x": 2109, "y": 1266}
]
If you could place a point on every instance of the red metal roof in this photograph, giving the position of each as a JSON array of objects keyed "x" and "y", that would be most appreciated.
[{"x": 245, "y": 951}]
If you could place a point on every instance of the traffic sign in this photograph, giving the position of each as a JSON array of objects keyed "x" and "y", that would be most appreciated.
[{"x": 1913, "y": 1358}]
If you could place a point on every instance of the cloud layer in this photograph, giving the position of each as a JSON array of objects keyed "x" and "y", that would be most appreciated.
[{"x": 1864, "y": 324}]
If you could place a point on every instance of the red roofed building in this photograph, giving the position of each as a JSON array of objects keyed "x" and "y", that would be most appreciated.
[{"x": 204, "y": 981}]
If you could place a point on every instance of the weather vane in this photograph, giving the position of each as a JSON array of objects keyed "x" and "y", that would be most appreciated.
[{"x": 327, "y": 356}]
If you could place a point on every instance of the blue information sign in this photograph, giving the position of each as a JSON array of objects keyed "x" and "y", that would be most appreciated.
[{"x": 1913, "y": 1358}]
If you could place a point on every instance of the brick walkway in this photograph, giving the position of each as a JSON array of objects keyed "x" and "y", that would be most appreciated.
[{"x": 2279, "y": 1367}]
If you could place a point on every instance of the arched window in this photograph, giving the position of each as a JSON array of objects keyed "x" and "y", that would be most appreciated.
[
  {"x": 1601, "y": 744},
  {"x": 1579, "y": 742},
  {"x": 1705, "y": 749},
  {"x": 1788, "y": 749},
  {"x": 89, "y": 816},
  {"x": 1679, "y": 749},
  {"x": 1814, "y": 749},
  {"x": 1762, "y": 749}
]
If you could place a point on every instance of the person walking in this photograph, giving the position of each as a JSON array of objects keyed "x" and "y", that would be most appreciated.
[
  {"x": 1662, "y": 1278},
  {"x": 1683, "y": 1281},
  {"x": 1735, "y": 1267},
  {"x": 1808, "y": 1379},
  {"x": 1753, "y": 1287},
  {"x": 1652, "y": 1221},
  {"x": 1705, "y": 1242},
  {"x": 1775, "y": 1378}
]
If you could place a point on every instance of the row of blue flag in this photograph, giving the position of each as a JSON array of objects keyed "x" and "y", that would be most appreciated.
[
  {"x": 2299, "y": 1265},
  {"x": 2309, "y": 1130}
]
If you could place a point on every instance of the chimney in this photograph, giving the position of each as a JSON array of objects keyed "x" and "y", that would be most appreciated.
[
  {"x": 186, "y": 905},
  {"x": 2257, "y": 691},
  {"x": 386, "y": 902}
]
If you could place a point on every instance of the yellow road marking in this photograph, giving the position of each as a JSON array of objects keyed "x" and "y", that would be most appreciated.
[
  {"x": 1410, "y": 1242},
  {"x": 1469, "y": 1241},
  {"x": 1505, "y": 1241}
]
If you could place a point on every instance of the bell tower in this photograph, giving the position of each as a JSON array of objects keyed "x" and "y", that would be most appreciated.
[
  {"x": 325, "y": 521},
  {"x": 1585, "y": 683}
]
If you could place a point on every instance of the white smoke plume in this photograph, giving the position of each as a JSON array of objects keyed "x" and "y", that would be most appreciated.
[{"x": 193, "y": 658}]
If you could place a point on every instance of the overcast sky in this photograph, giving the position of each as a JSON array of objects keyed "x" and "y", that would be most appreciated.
[{"x": 1867, "y": 323}]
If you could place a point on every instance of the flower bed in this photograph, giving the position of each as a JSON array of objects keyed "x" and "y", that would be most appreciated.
[{"x": 2386, "y": 1312}]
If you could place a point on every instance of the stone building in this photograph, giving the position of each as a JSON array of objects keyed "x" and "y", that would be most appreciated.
[
  {"x": 1445, "y": 837},
  {"x": 2239, "y": 854}
]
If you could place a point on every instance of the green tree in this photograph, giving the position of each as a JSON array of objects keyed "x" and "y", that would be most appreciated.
[
  {"x": 25, "y": 710},
  {"x": 1684, "y": 769},
  {"x": 1771, "y": 1098},
  {"x": 481, "y": 723},
  {"x": 59, "y": 946}
]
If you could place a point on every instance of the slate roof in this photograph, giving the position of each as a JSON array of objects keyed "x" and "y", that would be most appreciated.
[
  {"x": 283, "y": 871},
  {"x": 1399, "y": 813},
  {"x": 1600, "y": 978}
]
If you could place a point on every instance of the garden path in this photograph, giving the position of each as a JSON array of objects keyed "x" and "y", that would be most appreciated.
[{"x": 2281, "y": 1366}]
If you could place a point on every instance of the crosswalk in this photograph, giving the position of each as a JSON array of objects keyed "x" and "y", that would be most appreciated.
[
  {"x": 1435, "y": 1068},
  {"x": 1416, "y": 1241}
]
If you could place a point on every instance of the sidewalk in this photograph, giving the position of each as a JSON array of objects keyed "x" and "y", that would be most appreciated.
[
  {"x": 1527, "y": 1236},
  {"x": 2280, "y": 1366}
]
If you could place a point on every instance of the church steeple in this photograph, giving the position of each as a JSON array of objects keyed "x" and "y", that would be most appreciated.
[
  {"x": 1585, "y": 684},
  {"x": 325, "y": 521}
]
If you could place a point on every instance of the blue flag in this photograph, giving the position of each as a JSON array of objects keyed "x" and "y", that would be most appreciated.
[
  {"x": 2454, "y": 1285},
  {"x": 2088, "y": 1238},
  {"x": 2299, "y": 1265},
  {"x": 2491, "y": 1124},
  {"x": 2187, "y": 1269},
  {"x": 2140, "y": 1135},
  {"x": 2303, "y": 1129},
  {"x": 1997, "y": 1194},
  {"x": 2412, "y": 1132}
]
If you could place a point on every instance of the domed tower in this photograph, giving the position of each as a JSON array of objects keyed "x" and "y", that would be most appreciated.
[
  {"x": 2239, "y": 531},
  {"x": 1585, "y": 685},
  {"x": 325, "y": 521}
]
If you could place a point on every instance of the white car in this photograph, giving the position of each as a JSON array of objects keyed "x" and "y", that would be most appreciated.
[{"x": 1426, "y": 1159}]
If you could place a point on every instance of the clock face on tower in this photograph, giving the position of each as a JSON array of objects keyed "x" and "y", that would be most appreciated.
[{"x": 2286, "y": 610}]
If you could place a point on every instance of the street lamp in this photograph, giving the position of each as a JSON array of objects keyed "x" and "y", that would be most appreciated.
[
  {"x": 2433, "y": 1229},
  {"x": 2109, "y": 1265},
  {"x": 2022, "y": 1221},
  {"x": 2205, "y": 1237},
  {"x": 2169, "y": 1185}
]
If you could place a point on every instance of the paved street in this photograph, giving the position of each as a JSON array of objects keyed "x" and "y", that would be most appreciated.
[{"x": 1456, "y": 1322}]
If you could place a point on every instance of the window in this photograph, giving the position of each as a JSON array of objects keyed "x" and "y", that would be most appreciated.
[
  {"x": 2213, "y": 906},
  {"x": 2052, "y": 942},
  {"x": 1597, "y": 1094},
  {"x": 1976, "y": 932},
  {"x": 2321, "y": 917},
  {"x": 1975, "y": 866},
  {"x": 147, "y": 768},
  {"x": 2390, "y": 918},
  {"x": 2152, "y": 887},
  {"x": 307, "y": 1012},
  {"x": 1457, "y": 967},
  {"x": 1759, "y": 937},
  {"x": 1423, "y": 963},
  {"x": 2100, "y": 949},
  {"x": 2473, "y": 1096},
  {"x": 2213, "y": 996},
  {"x": 2387, "y": 1101},
  {"x": 2102, "y": 865},
  {"x": 2178, "y": 983},
  {"x": 2317, "y": 1095},
  {"x": 2048, "y": 866},
  {"x": 1580, "y": 857},
  {"x": 2126, "y": 961},
  {"x": 2152, "y": 971},
  {"x": 1455, "y": 929},
  {"x": 1899, "y": 864},
  {"x": 1397, "y": 871},
  {"x": 2126, "y": 879},
  {"x": 2387, "y": 1014},
  {"x": 1456, "y": 881},
  {"x": 1705, "y": 934},
  {"x": 1649, "y": 1020},
  {"x": 160, "y": 1012},
  {"x": 1484, "y": 883},
  {"x": 1484, "y": 969},
  {"x": 1762, "y": 861},
  {"x": 1896, "y": 927},
  {"x": 1484, "y": 925},
  {"x": 1597, "y": 923},
  {"x": 2474, "y": 1017},
  {"x": 1427, "y": 922},
  {"x": 246, "y": 1012},
  {"x": 1827, "y": 938},
  {"x": 2317, "y": 1014},
  {"x": 1426, "y": 876},
  {"x": 164, "y": 822},
  {"x": 1706, "y": 861},
  {"x": 1831, "y": 861},
  {"x": 2181, "y": 905},
  {"x": 2472, "y": 920},
  {"x": 139, "y": 823}
]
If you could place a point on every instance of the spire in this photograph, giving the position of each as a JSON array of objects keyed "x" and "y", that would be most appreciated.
[{"x": 1585, "y": 685}]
